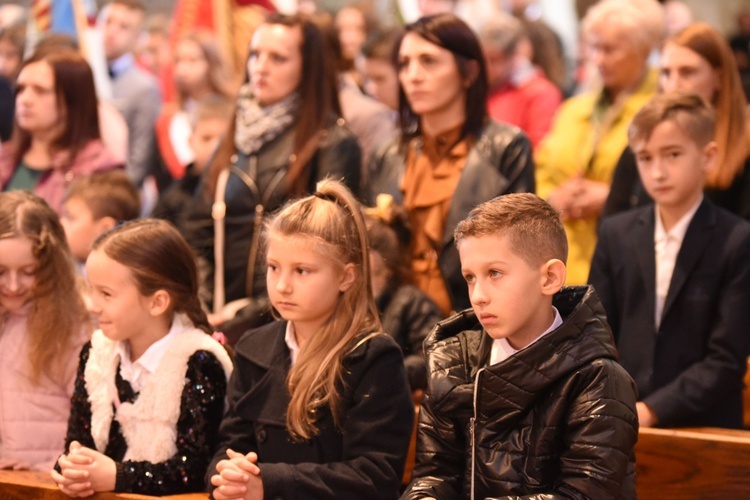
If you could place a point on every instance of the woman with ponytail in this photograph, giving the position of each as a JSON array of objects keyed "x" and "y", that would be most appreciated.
[
  {"x": 319, "y": 406},
  {"x": 150, "y": 389}
]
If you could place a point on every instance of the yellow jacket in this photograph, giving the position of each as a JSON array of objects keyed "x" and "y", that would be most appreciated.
[{"x": 570, "y": 148}]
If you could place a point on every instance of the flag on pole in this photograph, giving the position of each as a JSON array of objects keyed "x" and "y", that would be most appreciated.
[
  {"x": 75, "y": 18},
  {"x": 69, "y": 17}
]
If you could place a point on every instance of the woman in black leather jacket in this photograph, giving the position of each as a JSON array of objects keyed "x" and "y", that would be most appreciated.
[
  {"x": 450, "y": 156},
  {"x": 286, "y": 135}
]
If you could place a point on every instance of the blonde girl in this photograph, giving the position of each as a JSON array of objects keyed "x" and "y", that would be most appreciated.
[
  {"x": 319, "y": 406},
  {"x": 151, "y": 383},
  {"x": 43, "y": 324}
]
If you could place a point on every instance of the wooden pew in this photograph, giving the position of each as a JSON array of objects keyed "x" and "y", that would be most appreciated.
[
  {"x": 746, "y": 396},
  {"x": 696, "y": 463},
  {"x": 26, "y": 485}
]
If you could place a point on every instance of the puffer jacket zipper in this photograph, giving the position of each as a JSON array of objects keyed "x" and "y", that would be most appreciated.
[{"x": 472, "y": 433}]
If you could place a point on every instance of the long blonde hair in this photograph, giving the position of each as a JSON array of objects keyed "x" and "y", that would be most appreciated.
[
  {"x": 58, "y": 315},
  {"x": 732, "y": 130},
  {"x": 332, "y": 220}
]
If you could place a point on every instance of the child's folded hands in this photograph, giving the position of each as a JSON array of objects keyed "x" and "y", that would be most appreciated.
[
  {"x": 238, "y": 477},
  {"x": 84, "y": 471}
]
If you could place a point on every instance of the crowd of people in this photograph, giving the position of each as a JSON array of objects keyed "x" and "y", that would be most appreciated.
[{"x": 245, "y": 280}]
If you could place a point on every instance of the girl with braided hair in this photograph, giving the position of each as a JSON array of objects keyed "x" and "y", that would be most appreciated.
[{"x": 150, "y": 388}]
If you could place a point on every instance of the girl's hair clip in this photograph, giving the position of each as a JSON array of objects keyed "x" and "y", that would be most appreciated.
[{"x": 383, "y": 209}]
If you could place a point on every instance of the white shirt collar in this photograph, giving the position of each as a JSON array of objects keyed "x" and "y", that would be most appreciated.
[
  {"x": 502, "y": 350},
  {"x": 678, "y": 230},
  {"x": 136, "y": 372},
  {"x": 290, "y": 338}
]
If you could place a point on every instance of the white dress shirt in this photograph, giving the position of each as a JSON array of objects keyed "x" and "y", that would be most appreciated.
[
  {"x": 666, "y": 247},
  {"x": 290, "y": 337},
  {"x": 502, "y": 350},
  {"x": 137, "y": 372}
]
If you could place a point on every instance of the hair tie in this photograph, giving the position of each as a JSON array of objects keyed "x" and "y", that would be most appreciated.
[{"x": 324, "y": 196}]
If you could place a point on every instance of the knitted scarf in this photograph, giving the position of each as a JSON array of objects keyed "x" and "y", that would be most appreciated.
[{"x": 256, "y": 126}]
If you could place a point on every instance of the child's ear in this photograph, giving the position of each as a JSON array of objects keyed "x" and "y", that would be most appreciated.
[
  {"x": 348, "y": 277},
  {"x": 710, "y": 152},
  {"x": 160, "y": 302},
  {"x": 553, "y": 276},
  {"x": 105, "y": 224}
]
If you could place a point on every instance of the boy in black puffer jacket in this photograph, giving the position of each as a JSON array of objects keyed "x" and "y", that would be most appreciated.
[{"x": 525, "y": 394}]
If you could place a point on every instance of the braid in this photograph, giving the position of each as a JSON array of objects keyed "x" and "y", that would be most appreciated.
[{"x": 197, "y": 315}]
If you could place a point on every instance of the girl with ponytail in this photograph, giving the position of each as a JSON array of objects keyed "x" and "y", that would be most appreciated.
[
  {"x": 319, "y": 405},
  {"x": 151, "y": 384}
]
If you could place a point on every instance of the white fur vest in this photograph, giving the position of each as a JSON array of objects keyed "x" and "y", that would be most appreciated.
[{"x": 149, "y": 425}]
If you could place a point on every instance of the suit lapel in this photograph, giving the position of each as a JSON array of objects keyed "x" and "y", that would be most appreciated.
[
  {"x": 696, "y": 240},
  {"x": 642, "y": 245}
]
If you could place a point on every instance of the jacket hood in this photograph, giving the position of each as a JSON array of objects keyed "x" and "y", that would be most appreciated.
[{"x": 458, "y": 348}]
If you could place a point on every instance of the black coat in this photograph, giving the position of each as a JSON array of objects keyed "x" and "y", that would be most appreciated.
[
  {"x": 555, "y": 420},
  {"x": 363, "y": 460},
  {"x": 500, "y": 162},
  {"x": 408, "y": 315},
  {"x": 689, "y": 371}
]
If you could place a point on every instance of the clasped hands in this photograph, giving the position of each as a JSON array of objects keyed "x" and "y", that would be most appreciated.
[
  {"x": 579, "y": 198},
  {"x": 238, "y": 477},
  {"x": 84, "y": 471}
]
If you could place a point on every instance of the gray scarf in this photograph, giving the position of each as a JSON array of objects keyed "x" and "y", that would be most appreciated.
[{"x": 256, "y": 126}]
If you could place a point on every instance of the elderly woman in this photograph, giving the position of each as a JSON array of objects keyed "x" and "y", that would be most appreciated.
[
  {"x": 576, "y": 160},
  {"x": 449, "y": 156}
]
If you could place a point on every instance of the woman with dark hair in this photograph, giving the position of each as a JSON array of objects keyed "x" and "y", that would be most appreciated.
[
  {"x": 450, "y": 156},
  {"x": 56, "y": 133},
  {"x": 699, "y": 59},
  {"x": 286, "y": 134}
]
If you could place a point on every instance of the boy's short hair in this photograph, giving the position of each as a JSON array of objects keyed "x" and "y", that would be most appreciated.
[
  {"x": 213, "y": 107},
  {"x": 107, "y": 194},
  {"x": 533, "y": 227},
  {"x": 687, "y": 110}
]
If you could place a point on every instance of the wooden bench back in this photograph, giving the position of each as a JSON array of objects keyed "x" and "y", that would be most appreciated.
[
  {"x": 746, "y": 396},
  {"x": 26, "y": 485},
  {"x": 692, "y": 463}
]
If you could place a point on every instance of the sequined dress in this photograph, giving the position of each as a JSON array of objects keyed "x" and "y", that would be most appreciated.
[{"x": 201, "y": 410}]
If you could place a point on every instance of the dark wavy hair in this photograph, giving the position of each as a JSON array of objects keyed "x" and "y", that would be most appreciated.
[{"x": 450, "y": 33}]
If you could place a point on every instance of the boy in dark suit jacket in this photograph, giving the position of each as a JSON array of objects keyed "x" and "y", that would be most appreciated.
[{"x": 674, "y": 278}]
